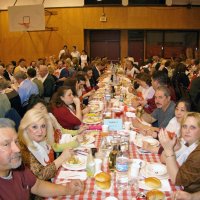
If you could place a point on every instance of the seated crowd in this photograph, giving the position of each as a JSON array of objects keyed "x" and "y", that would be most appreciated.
[{"x": 47, "y": 101}]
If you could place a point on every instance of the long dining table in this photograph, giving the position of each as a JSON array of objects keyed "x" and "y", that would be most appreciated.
[{"x": 90, "y": 191}]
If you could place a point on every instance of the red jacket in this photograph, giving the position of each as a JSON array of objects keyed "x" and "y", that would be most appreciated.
[{"x": 65, "y": 118}]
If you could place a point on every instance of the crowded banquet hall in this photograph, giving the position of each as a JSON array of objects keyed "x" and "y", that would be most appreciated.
[{"x": 100, "y": 100}]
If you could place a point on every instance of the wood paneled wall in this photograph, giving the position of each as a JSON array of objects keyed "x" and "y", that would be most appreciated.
[{"x": 72, "y": 22}]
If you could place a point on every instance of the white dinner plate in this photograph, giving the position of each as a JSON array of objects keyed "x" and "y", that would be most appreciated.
[
  {"x": 92, "y": 121},
  {"x": 146, "y": 173},
  {"x": 156, "y": 169},
  {"x": 81, "y": 166},
  {"x": 89, "y": 140},
  {"x": 151, "y": 141},
  {"x": 96, "y": 106},
  {"x": 140, "y": 138},
  {"x": 124, "y": 132}
]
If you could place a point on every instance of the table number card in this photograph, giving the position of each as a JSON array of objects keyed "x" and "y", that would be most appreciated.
[{"x": 113, "y": 124}]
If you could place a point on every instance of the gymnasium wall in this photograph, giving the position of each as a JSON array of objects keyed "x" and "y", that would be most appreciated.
[{"x": 71, "y": 23}]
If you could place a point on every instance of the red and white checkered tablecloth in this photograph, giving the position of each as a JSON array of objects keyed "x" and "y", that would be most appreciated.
[{"x": 90, "y": 191}]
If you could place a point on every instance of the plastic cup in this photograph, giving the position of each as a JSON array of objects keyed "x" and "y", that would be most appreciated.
[
  {"x": 127, "y": 125},
  {"x": 105, "y": 128},
  {"x": 98, "y": 163},
  {"x": 132, "y": 136},
  {"x": 134, "y": 171}
]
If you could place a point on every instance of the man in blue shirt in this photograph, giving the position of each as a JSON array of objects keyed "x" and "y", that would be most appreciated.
[{"x": 26, "y": 87}]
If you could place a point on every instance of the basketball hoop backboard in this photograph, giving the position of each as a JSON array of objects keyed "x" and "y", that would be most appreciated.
[{"x": 26, "y": 18}]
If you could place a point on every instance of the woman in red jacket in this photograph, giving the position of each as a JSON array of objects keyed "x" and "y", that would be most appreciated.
[{"x": 66, "y": 108}]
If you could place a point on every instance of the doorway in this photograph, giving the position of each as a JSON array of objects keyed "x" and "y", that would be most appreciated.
[
  {"x": 136, "y": 46},
  {"x": 105, "y": 43}
]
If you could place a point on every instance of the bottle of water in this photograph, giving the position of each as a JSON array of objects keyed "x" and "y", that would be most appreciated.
[{"x": 122, "y": 166}]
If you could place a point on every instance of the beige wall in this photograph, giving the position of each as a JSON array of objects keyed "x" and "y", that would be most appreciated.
[{"x": 72, "y": 22}]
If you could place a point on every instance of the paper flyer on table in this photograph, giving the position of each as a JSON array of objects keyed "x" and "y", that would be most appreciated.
[{"x": 114, "y": 124}]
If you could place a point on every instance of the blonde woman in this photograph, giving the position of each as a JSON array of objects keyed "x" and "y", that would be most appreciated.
[
  {"x": 187, "y": 175},
  {"x": 36, "y": 140},
  {"x": 63, "y": 138}
]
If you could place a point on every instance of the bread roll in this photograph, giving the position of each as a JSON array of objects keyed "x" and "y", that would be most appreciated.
[
  {"x": 103, "y": 185},
  {"x": 155, "y": 195},
  {"x": 102, "y": 177},
  {"x": 103, "y": 180},
  {"x": 152, "y": 182}
]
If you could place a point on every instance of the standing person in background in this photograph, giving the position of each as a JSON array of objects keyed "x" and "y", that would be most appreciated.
[
  {"x": 48, "y": 82},
  {"x": 64, "y": 53},
  {"x": 84, "y": 59},
  {"x": 75, "y": 53}
]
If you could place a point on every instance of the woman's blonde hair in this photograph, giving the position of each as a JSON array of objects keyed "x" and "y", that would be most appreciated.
[
  {"x": 33, "y": 116},
  {"x": 196, "y": 115},
  {"x": 191, "y": 114}
]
